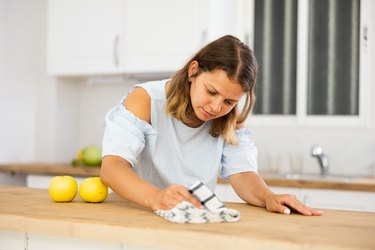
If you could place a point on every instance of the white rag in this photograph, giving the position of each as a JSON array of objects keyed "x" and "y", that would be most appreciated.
[{"x": 214, "y": 211}]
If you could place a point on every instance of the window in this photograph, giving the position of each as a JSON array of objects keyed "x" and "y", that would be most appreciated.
[
  {"x": 275, "y": 47},
  {"x": 309, "y": 54}
]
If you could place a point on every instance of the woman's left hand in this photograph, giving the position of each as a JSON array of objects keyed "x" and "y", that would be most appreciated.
[{"x": 283, "y": 203}]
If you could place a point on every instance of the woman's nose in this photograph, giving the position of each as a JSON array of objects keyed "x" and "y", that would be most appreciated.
[{"x": 216, "y": 105}]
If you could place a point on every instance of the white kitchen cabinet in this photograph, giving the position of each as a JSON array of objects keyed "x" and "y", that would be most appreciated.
[
  {"x": 338, "y": 199},
  {"x": 12, "y": 179},
  {"x": 45, "y": 242},
  {"x": 123, "y": 36},
  {"x": 232, "y": 17},
  {"x": 30, "y": 241},
  {"x": 287, "y": 190},
  {"x": 12, "y": 240},
  {"x": 226, "y": 193},
  {"x": 83, "y": 36},
  {"x": 160, "y": 36},
  {"x": 317, "y": 198},
  {"x": 332, "y": 199}
]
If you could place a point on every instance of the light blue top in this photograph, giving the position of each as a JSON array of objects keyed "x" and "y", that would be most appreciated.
[{"x": 169, "y": 152}]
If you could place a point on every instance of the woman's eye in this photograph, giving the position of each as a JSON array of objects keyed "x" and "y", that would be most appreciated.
[
  {"x": 210, "y": 92},
  {"x": 230, "y": 102}
]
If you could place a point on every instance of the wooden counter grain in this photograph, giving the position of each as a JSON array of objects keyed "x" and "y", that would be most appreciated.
[
  {"x": 366, "y": 184},
  {"x": 360, "y": 184},
  {"x": 49, "y": 169},
  {"x": 32, "y": 210}
]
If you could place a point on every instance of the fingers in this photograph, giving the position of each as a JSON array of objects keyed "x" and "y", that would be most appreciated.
[
  {"x": 298, "y": 206},
  {"x": 172, "y": 195},
  {"x": 285, "y": 203},
  {"x": 187, "y": 196},
  {"x": 292, "y": 202},
  {"x": 316, "y": 212}
]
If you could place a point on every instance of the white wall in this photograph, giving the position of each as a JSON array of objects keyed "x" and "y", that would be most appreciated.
[
  {"x": 94, "y": 103},
  {"x": 44, "y": 119},
  {"x": 21, "y": 70}
]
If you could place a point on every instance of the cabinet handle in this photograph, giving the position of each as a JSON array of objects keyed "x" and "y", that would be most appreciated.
[
  {"x": 247, "y": 39},
  {"x": 204, "y": 37},
  {"x": 115, "y": 50}
]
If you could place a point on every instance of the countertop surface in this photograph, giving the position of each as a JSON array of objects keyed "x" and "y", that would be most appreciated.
[
  {"x": 32, "y": 210},
  {"x": 49, "y": 169},
  {"x": 354, "y": 184}
]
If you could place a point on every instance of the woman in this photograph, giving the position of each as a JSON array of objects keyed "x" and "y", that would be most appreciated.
[{"x": 166, "y": 135}]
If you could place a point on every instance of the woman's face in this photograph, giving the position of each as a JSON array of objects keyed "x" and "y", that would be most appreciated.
[{"x": 213, "y": 94}]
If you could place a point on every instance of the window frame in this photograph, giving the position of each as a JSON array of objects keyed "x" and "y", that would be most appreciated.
[{"x": 301, "y": 118}]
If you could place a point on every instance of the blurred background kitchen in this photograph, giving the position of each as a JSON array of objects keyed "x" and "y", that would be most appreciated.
[{"x": 64, "y": 64}]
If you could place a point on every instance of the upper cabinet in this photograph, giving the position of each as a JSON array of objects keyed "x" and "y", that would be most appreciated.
[
  {"x": 87, "y": 37},
  {"x": 83, "y": 36},
  {"x": 159, "y": 36}
]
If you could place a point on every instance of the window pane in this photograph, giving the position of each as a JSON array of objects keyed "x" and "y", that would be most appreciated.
[
  {"x": 275, "y": 46},
  {"x": 333, "y": 64}
]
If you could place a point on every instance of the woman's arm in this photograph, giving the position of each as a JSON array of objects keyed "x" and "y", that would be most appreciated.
[
  {"x": 117, "y": 173},
  {"x": 251, "y": 188}
]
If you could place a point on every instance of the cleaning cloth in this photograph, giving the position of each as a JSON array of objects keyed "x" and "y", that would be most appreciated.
[{"x": 214, "y": 210}]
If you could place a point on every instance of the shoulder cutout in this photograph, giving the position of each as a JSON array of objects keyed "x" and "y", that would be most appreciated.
[{"x": 139, "y": 103}]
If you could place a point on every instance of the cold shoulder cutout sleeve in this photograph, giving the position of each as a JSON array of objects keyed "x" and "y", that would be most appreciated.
[{"x": 124, "y": 134}]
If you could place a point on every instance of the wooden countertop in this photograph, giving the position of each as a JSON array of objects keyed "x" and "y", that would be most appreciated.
[
  {"x": 360, "y": 184},
  {"x": 366, "y": 184},
  {"x": 32, "y": 210},
  {"x": 49, "y": 169}
]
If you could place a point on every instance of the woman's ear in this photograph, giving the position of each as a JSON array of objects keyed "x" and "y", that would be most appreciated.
[{"x": 193, "y": 68}]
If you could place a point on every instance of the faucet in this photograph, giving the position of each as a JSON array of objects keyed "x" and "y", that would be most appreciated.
[{"x": 317, "y": 152}]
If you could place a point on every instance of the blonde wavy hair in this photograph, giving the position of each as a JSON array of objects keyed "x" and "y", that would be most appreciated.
[{"x": 227, "y": 53}]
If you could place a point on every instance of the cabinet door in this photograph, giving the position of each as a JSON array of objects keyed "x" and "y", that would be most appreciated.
[
  {"x": 160, "y": 36},
  {"x": 83, "y": 36},
  {"x": 287, "y": 190},
  {"x": 336, "y": 199},
  {"x": 12, "y": 240},
  {"x": 226, "y": 193}
]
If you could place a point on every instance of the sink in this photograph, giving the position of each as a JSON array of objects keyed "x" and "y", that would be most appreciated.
[{"x": 317, "y": 177}]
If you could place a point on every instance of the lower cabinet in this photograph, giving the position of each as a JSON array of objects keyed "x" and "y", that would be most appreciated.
[
  {"x": 45, "y": 242},
  {"x": 317, "y": 198},
  {"x": 13, "y": 240},
  {"x": 337, "y": 199},
  {"x": 13, "y": 179},
  {"x": 226, "y": 193},
  {"x": 30, "y": 241}
]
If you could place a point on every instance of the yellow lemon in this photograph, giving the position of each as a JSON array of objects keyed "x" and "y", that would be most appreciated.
[
  {"x": 93, "y": 190},
  {"x": 63, "y": 188}
]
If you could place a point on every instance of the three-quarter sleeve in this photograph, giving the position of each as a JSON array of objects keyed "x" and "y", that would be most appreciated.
[
  {"x": 239, "y": 158},
  {"x": 124, "y": 134}
]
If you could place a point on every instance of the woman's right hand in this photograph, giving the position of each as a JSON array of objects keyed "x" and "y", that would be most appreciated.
[{"x": 171, "y": 196}]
